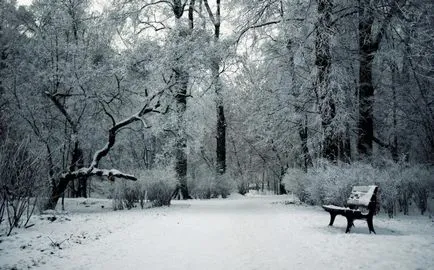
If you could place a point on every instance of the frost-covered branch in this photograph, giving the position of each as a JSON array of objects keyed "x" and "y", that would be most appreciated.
[
  {"x": 116, "y": 127},
  {"x": 260, "y": 25},
  {"x": 111, "y": 174},
  {"x": 111, "y": 139}
]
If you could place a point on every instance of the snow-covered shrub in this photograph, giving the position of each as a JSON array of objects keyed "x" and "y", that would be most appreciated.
[
  {"x": 155, "y": 186},
  {"x": 204, "y": 184},
  {"x": 420, "y": 181},
  {"x": 160, "y": 193},
  {"x": 389, "y": 192},
  {"x": 116, "y": 196},
  {"x": 126, "y": 194},
  {"x": 200, "y": 183},
  {"x": 158, "y": 185},
  {"x": 402, "y": 184},
  {"x": 323, "y": 184},
  {"x": 296, "y": 182},
  {"x": 399, "y": 183},
  {"x": 330, "y": 184},
  {"x": 242, "y": 183}
]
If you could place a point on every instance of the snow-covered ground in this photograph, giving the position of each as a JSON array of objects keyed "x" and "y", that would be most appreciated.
[{"x": 260, "y": 232}]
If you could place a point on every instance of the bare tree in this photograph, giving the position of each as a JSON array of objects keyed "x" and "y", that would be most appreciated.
[{"x": 151, "y": 105}]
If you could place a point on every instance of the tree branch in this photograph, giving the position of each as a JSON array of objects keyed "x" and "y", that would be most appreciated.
[
  {"x": 99, "y": 154},
  {"x": 394, "y": 9},
  {"x": 208, "y": 9},
  {"x": 156, "y": 3},
  {"x": 380, "y": 143},
  {"x": 242, "y": 32}
]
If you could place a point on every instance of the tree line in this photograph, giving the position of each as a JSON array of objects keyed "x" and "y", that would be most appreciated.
[{"x": 224, "y": 93}]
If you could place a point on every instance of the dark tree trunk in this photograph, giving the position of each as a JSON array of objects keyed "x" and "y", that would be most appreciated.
[
  {"x": 181, "y": 191},
  {"x": 2, "y": 67},
  {"x": 58, "y": 188},
  {"x": 221, "y": 141},
  {"x": 323, "y": 63},
  {"x": 394, "y": 146},
  {"x": 368, "y": 46},
  {"x": 221, "y": 121},
  {"x": 56, "y": 192},
  {"x": 282, "y": 189},
  {"x": 302, "y": 131},
  {"x": 366, "y": 97},
  {"x": 77, "y": 162}
]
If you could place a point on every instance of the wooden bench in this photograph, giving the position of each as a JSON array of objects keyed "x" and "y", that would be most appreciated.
[{"x": 362, "y": 204}]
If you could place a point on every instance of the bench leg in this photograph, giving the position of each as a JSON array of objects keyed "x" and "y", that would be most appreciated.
[
  {"x": 349, "y": 224},
  {"x": 332, "y": 218},
  {"x": 371, "y": 225}
]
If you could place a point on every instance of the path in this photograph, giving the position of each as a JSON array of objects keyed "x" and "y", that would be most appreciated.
[{"x": 249, "y": 234}]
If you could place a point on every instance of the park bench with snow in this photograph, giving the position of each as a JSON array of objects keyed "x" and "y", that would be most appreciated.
[{"x": 362, "y": 204}]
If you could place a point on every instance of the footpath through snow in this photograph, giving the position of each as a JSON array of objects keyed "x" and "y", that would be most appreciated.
[{"x": 243, "y": 233}]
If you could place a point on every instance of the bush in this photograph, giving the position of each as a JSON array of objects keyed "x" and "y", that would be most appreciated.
[
  {"x": 159, "y": 185},
  {"x": 295, "y": 182},
  {"x": 155, "y": 186},
  {"x": 126, "y": 194},
  {"x": 160, "y": 193},
  {"x": 400, "y": 184},
  {"x": 204, "y": 184},
  {"x": 242, "y": 184},
  {"x": 20, "y": 184},
  {"x": 419, "y": 181}
]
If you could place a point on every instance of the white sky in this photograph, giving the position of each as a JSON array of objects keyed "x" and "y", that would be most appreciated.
[
  {"x": 98, "y": 4},
  {"x": 24, "y": 2}
]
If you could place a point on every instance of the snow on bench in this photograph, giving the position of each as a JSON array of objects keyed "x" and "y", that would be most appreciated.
[
  {"x": 360, "y": 205},
  {"x": 361, "y": 195}
]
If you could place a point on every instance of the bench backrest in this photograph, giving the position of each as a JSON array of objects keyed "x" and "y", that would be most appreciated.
[{"x": 363, "y": 196}]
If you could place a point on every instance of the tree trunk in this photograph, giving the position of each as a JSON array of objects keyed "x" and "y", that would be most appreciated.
[
  {"x": 323, "y": 63},
  {"x": 367, "y": 50},
  {"x": 394, "y": 146},
  {"x": 302, "y": 131},
  {"x": 366, "y": 100},
  {"x": 215, "y": 70},
  {"x": 77, "y": 162},
  {"x": 282, "y": 189},
  {"x": 301, "y": 125},
  {"x": 181, "y": 77},
  {"x": 221, "y": 124},
  {"x": 3, "y": 56},
  {"x": 181, "y": 84},
  {"x": 368, "y": 47},
  {"x": 57, "y": 191}
]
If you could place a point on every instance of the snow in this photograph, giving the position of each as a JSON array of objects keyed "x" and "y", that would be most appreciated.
[
  {"x": 330, "y": 206},
  {"x": 263, "y": 232},
  {"x": 361, "y": 195}
]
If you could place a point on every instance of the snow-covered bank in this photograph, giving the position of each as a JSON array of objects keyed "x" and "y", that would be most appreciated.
[{"x": 238, "y": 233}]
